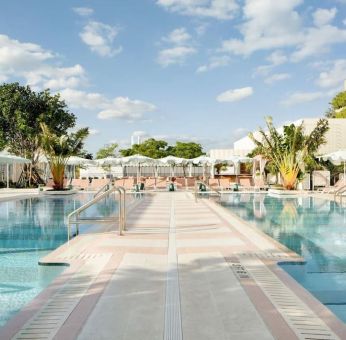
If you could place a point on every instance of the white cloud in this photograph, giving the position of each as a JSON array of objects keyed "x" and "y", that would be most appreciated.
[
  {"x": 317, "y": 41},
  {"x": 83, "y": 11},
  {"x": 302, "y": 97},
  {"x": 218, "y": 9},
  {"x": 215, "y": 62},
  {"x": 277, "y": 77},
  {"x": 181, "y": 48},
  {"x": 271, "y": 25},
  {"x": 179, "y": 36},
  {"x": 100, "y": 38},
  {"x": 175, "y": 55},
  {"x": 267, "y": 25},
  {"x": 323, "y": 16},
  {"x": 35, "y": 65},
  {"x": 276, "y": 58},
  {"x": 334, "y": 76},
  {"x": 119, "y": 107},
  {"x": 235, "y": 94}
]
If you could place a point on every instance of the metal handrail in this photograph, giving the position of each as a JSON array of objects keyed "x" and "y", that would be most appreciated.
[
  {"x": 104, "y": 188},
  {"x": 78, "y": 211}
]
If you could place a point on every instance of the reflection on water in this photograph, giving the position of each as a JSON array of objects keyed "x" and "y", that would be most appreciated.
[
  {"x": 312, "y": 227},
  {"x": 29, "y": 229}
]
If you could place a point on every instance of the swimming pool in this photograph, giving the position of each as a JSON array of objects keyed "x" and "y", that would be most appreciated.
[
  {"x": 30, "y": 229},
  {"x": 312, "y": 227}
]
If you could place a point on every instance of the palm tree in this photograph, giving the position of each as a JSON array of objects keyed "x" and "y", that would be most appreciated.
[
  {"x": 58, "y": 150},
  {"x": 291, "y": 152}
]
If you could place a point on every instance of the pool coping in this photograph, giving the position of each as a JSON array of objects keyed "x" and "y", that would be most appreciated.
[{"x": 331, "y": 320}]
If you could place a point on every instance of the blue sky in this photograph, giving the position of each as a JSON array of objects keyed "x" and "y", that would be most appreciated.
[{"x": 201, "y": 70}]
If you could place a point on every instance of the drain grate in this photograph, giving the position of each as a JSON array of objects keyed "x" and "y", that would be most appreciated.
[
  {"x": 239, "y": 270},
  {"x": 303, "y": 321}
]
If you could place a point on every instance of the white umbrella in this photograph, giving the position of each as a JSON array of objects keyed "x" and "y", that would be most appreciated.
[
  {"x": 173, "y": 161},
  {"x": 337, "y": 158},
  {"x": 7, "y": 158}
]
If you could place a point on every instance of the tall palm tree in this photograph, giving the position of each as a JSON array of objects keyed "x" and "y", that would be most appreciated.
[
  {"x": 290, "y": 152},
  {"x": 58, "y": 150}
]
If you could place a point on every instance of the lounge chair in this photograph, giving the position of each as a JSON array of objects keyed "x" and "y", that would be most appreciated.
[
  {"x": 150, "y": 183},
  {"x": 224, "y": 184},
  {"x": 245, "y": 184},
  {"x": 332, "y": 189},
  {"x": 259, "y": 184},
  {"x": 161, "y": 183}
]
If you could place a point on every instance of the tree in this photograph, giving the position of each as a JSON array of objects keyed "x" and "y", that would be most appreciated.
[
  {"x": 289, "y": 153},
  {"x": 21, "y": 112},
  {"x": 151, "y": 148},
  {"x": 337, "y": 106},
  {"x": 107, "y": 151},
  {"x": 58, "y": 150},
  {"x": 186, "y": 150}
]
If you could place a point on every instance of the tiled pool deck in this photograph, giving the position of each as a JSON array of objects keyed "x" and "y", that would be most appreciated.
[{"x": 184, "y": 270}]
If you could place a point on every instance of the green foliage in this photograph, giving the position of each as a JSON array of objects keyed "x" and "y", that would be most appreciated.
[
  {"x": 107, "y": 151},
  {"x": 58, "y": 150},
  {"x": 21, "y": 112},
  {"x": 186, "y": 150},
  {"x": 337, "y": 106},
  {"x": 292, "y": 152},
  {"x": 158, "y": 148},
  {"x": 151, "y": 148}
]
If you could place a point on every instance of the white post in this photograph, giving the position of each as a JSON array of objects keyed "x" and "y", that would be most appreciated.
[
  {"x": 190, "y": 170},
  {"x": 212, "y": 171},
  {"x": 8, "y": 175}
]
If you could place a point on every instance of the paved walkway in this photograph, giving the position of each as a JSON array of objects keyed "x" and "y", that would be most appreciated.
[{"x": 184, "y": 270}]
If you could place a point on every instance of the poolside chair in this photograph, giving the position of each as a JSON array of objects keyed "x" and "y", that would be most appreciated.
[
  {"x": 190, "y": 182},
  {"x": 214, "y": 183},
  {"x": 332, "y": 189},
  {"x": 129, "y": 183},
  {"x": 150, "y": 183},
  {"x": 224, "y": 184},
  {"x": 179, "y": 183},
  {"x": 245, "y": 184},
  {"x": 161, "y": 183},
  {"x": 259, "y": 184}
]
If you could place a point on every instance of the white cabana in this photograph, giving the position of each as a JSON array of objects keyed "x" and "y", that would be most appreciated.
[
  {"x": 78, "y": 161},
  {"x": 337, "y": 158},
  {"x": 7, "y": 158},
  {"x": 173, "y": 161},
  {"x": 138, "y": 160}
]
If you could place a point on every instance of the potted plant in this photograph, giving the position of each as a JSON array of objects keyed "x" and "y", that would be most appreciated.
[{"x": 58, "y": 150}]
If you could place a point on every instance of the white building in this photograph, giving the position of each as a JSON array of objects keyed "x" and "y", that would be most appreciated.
[{"x": 335, "y": 136}]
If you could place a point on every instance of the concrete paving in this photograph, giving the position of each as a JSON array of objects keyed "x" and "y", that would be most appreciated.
[{"x": 180, "y": 272}]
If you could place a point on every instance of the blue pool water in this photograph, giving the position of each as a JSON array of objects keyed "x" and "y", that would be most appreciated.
[
  {"x": 30, "y": 229},
  {"x": 312, "y": 227}
]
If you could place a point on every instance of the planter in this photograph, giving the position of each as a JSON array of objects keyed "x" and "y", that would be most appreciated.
[
  {"x": 284, "y": 193},
  {"x": 59, "y": 192}
]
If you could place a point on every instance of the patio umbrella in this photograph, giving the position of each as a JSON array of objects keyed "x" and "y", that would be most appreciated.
[
  {"x": 337, "y": 158},
  {"x": 7, "y": 158},
  {"x": 173, "y": 161},
  {"x": 109, "y": 161}
]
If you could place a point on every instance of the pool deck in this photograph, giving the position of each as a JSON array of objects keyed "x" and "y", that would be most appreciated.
[{"x": 183, "y": 270}]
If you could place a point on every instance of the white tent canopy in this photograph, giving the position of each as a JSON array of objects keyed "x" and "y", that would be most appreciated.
[
  {"x": 7, "y": 158},
  {"x": 337, "y": 158}
]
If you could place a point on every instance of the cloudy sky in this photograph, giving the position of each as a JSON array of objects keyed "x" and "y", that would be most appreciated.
[{"x": 205, "y": 70}]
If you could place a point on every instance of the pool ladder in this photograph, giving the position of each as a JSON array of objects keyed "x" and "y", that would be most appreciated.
[{"x": 75, "y": 218}]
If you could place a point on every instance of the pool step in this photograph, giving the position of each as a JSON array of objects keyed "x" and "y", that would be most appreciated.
[{"x": 85, "y": 220}]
